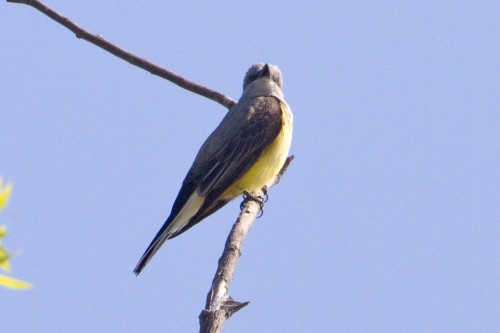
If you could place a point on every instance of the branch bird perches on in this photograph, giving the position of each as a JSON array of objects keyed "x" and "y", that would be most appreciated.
[{"x": 220, "y": 306}]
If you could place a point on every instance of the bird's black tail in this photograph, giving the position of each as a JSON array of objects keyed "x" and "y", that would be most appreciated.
[{"x": 155, "y": 245}]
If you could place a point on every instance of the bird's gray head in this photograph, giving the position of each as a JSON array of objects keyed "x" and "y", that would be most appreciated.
[
  {"x": 260, "y": 71},
  {"x": 263, "y": 80}
]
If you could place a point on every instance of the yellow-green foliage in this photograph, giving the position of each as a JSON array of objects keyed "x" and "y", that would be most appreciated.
[{"x": 5, "y": 256}]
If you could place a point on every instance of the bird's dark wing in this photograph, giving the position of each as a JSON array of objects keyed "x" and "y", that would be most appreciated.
[
  {"x": 241, "y": 147},
  {"x": 239, "y": 152},
  {"x": 228, "y": 153}
]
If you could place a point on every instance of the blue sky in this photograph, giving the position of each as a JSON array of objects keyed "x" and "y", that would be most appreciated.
[{"x": 388, "y": 220}]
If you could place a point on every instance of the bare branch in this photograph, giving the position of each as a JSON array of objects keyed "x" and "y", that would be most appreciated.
[
  {"x": 220, "y": 306},
  {"x": 130, "y": 57},
  {"x": 216, "y": 312}
]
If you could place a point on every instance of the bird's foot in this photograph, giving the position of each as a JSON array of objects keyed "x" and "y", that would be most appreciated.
[{"x": 247, "y": 196}]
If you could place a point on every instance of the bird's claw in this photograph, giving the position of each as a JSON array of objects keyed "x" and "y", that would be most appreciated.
[
  {"x": 264, "y": 190},
  {"x": 247, "y": 196}
]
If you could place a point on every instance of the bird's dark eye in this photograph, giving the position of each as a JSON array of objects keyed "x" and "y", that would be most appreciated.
[
  {"x": 249, "y": 79},
  {"x": 253, "y": 77}
]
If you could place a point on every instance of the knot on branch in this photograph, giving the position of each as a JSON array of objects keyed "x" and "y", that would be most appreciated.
[
  {"x": 230, "y": 306},
  {"x": 212, "y": 321}
]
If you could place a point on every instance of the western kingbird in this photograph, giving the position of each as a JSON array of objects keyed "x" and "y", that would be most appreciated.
[{"x": 244, "y": 153}]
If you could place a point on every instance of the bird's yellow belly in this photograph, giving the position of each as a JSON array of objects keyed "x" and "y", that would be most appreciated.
[{"x": 267, "y": 166}]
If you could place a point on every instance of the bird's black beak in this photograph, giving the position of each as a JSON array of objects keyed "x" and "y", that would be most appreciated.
[{"x": 265, "y": 71}]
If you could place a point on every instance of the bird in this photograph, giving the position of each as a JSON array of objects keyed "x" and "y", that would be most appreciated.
[{"x": 245, "y": 152}]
